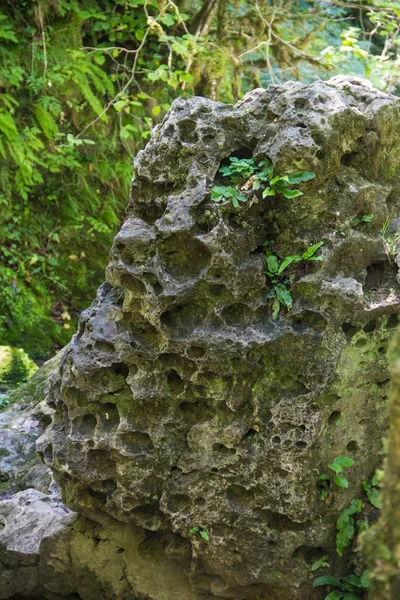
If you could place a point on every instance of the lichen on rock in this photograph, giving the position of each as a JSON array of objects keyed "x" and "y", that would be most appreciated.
[{"x": 182, "y": 407}]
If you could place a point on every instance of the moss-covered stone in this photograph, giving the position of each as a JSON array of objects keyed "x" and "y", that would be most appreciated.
[{"x": 181, "y": 402}]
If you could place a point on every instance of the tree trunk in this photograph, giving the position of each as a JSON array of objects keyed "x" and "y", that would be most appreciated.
[{"x": 381, "y": 543}]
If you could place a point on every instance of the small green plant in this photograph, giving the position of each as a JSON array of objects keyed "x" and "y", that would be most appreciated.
[
  {"x": 280, "y": 291},
  {"x": 200, "y": 531},
  {"x": 338, "y": 464},
  {"x": 389, "y": 241},
  {"x": 345, "y": 588},
  {"x": 245, "y": 175},
  {"x": 372, "y": 489},
  {"x": 320, "y": 563},
  {"x": 345, "y": 525},
  {"x": 363, "y": 219},
  {"x": 221, "y": 193}
]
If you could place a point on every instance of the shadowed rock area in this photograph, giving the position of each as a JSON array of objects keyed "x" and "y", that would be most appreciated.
[{"x": 182, "y": 408}]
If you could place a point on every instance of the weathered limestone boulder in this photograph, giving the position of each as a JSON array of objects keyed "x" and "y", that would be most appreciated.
[{"x": 182, "y": 408}]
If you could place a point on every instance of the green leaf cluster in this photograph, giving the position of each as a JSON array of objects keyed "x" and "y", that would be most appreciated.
[
  {"x": 349, "y": 587},
  {"x": 372, "y": 489},
  {"x": 362, "y": 219},
  {"x": 246, "y": 175},
  {"x": 345, "y": 525},
  {"x": 203, "y": 533},
  {"x": 280, "y": 292}
]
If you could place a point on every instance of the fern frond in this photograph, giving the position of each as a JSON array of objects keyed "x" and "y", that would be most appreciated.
[
  {"x": 46, "y": 121},
  {"x": 8, "y": 126},
  {"x": 86, "y": 91}
]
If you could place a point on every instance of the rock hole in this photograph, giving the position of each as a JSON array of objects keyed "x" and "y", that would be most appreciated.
[
  {"x": 175, "y": 383},
  {"x": 109, "y": 416},
  {"x": 133, "y": 284},
  {"x": 175, "y": 468},
  {"x": 308, "y": 553},
  {"x": 187, "y": 131},
  {"x": 249, "y": 435},
  {"x": 120, "y": 369},
  {"x": 99, "y": 496},
  {"x": 334, "y": 417},
  {"x": 152, "y": 280},
  {"x": 382, "y": 349},
  {"x": 135, "y": 442},
  {"x": 48, "y": 453},
  {"x": 237, "y": 314},
  {"x": 349, "y": 329},
  {"x": 108, "y": 486},
  {"x": 352, "y": 446},
  {"x": 217, "y": 289},
  {"x": 183, "y": 255},
  {"x": 75, "y": 396},
  {"x": 383, "y": 383},
  {"x": 392, "y": 321},
  {"x": 215, "y": 273},
  {"x": 348, "y": 158},
  {"x": 361, "y": 343},
  {"x": 370, "y": 326},
  {"x": 196, "y": 352},
  {"x": 377, "y": 275},
  {"x": 85, "y": 425},
  {"x": 309, "y": 318},
  {"x": 239, "y": 496},
  {"x": 100, "y": 465},
  {"x": 276, "y": 439},
  {"x": 301, "y": 103},
  {"x": 221, "y": 449},
  {"x": 102, "y": 346},
  {"x": 301, "y": 445},
  {"x": 182, "y": 320}
]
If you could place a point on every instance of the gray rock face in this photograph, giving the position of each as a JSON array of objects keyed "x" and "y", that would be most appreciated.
[{"x": 182, "y": 407}]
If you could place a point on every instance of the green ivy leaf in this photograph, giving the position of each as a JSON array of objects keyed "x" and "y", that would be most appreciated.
[
  {"x": 336, "y": 468},
  {"x": 365, "y": 580},
  {"x": 283, "y": 295},
  {"x": 343, "y": 461},
  {"x": 291, "y": 193},
  {"x": 353, "y": 580},
  {"x": 341, "y": 481},
  {"x": 276, "y": 306},
  {"x": 312, "y": 250},
  {"x": 375, "y": 497},
  {"x": 204, "y": 535},
  {"x": 272, "y": 262},
  {"x": 334, "y": 595},
  {"x": 327, "y": 580},
  {"x": 268, "y": 192},
  {"x": 287, "y": 261},
  {"x": 300, "y": 176}
]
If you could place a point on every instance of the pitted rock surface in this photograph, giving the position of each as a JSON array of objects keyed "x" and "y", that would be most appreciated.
[{"x": 180, "y": 402}]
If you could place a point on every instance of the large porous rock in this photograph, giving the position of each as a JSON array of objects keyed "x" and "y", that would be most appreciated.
[{"x": 182, "y": 407}]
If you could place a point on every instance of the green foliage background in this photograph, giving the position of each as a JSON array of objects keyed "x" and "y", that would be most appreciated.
[{"x": 82, "y": 82}]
